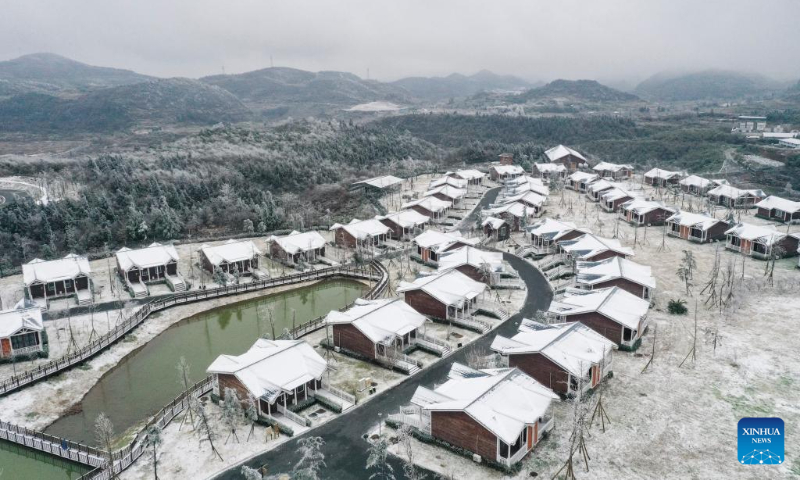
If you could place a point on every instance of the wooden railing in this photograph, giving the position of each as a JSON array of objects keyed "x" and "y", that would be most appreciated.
[{"x": 52, "y": 445}]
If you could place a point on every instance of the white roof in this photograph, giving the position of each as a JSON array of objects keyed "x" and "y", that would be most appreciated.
[
  {"x": 230, "y": 251},
  {"x": 450, "y": 287},
  {"x": 589, "y": 245},
  {"x": 362, "y": 229},
  {"x": 611, "y": 167},
  {"x": 432, "y": 204},
  {"x": 504, "y": 401},
  {"x": 573, "y": 346},
  {"x": 697, "y": 220},
  {"x": 517, "y": 209},
  {"x": 601, "y": 185},
  {"x": 616, "y": 193},
  {"x": 151, "y": 256},
  {"x": 406, "y": 218},
  {"x": 791, "y": 141},
  {"x": 469, "y": 174},
  {"x": 299, "y": 242},
  {"x": 12, "y": 321},
  {"x": 664, "y": 174},
  {"x": 592, "y": 273},
  {"x": 583, "y": 177},
  {"x": 494, "y": 222},
  {"x": 531, "y": 198},
  {"x": 508, "y": 169},
  {"x": 379, "y": 320},
  {"x": 701, "y": 182},
  {"x": 641, "y": 206},
  {"x": 614, "y": 303},
  {"x": 272, "y": 366},
  {"x": 381, "y": 182},
  {"x": 45, "y": 271},
  {"x": 561, "y": 151},
  {"x": 452, "y": 181},
  {"x": 550, "y": 167},
  {"x": 552, "y": 229},
  {"x": 767, "y": 234},
  {"x": 471, "y": 256},
  {"x": 529, "y": 185},
  {"x": 440, "y": 241},
  {"x": 733, "y": 192},
  {"x": 523, "y": 179},
  {"x": 447, "y": 190},
  {"x": 779, "y": 203}
]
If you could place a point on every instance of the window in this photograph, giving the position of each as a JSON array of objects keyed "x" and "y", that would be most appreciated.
[{"x": 25, "y": 340}]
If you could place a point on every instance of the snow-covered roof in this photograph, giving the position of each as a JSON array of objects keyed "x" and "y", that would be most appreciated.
[
  {"x": 494, "y": 222},
  {"x": 584, "y": 177},
  {"x": 12, "y": 321},
  {"x": 700, "y": 182},
  {"x": 601, "y": 185},
  {"x": 406, "y": 218},
  {"x": 440, "y": 241},
  {"x": 270, "y": 367},
  {"x": 450, "y": 287},
  {"x": 765, "y": 234},
  {"x": 432, "y": 204},
  {"x": 363, "y": 229},
  {"x": 611, "y": 167},
  {"x": 528, "y": 184},
  {"x": 382, "y": 181},
  {"x": 592, "y": 273},
  {"x": 471, "y": 256},
  {"x": 641, "y": 206},
  {"x": 733, "y": 192},
  {"x": 696, "y": 220},
  {"x": 299, "y": 242},
  {"x": 561, "y": 151},
  {"x": 617, "y": 193},
  {"x": 380, "y": 320},
  {"x": 151, "y": 256},
  {"x": 614, "y": 303},
  {"x": 573, "y": 346},
  {"x": 778, "y": 203},
  {"x": 550, "y": 167},
  {"x": 469, "y": 174},
  {"x": 552, "y": 229},
  {"x": 663, "y": 174},
  {"x": 508, "y": 169},
  {"x": 522, "y": 180},
  {"x": 452, "y": 181},
  {"x": 448, "y": 191},
  {"x": 45, "y": 271},
  {"x": 517, "y": 209},
  {"x": 504, "y": 401},
  {"x": 589, "y": 245},
  {"x": 791, "y": 141},
  {"x": 531, "y": 198},
  {"x": 230, "y": 251}
]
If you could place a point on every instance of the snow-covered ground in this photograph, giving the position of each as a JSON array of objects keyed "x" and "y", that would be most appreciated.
[{"x": 375, "y": 107}]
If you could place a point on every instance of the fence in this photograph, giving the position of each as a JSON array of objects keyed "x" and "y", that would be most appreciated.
[{"x": 52, "y": 445}]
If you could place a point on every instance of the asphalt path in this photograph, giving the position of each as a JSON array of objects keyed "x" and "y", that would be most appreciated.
[{"x": 345, "y": 447}]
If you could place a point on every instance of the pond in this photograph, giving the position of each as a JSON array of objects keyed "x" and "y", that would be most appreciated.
[
  {"x": 147, "y": 379},
  {"x": 20, "y": 462}
]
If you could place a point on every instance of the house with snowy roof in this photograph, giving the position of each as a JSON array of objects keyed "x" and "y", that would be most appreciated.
[
  {"x": 360, "y": 233},
  {"x": 616, "y": 272},
  {"x": 473, "y": 177},
  {"x": 430, "y": 244},
  {"x": 612, "y": 199},
  {"x": 568, "y": 358},
  {"x": 524, "y": 184},
  {"x": 21, "y": 332},
  {"x": 240, "y": 256},
  {"x": 277, "y": 373},
  {"x": 549, "y": 171},
  {"x": 496, "y": 228},
  {"x": 580, "y": 181},
  {"x": 50, "y": 279},
  {"x": 405, "y": 223},
  {"x": 499, "y": 414},
  {"x": 454, "y": 182},
  {"x": 533, "y": 200},
  {"x": 479, "y": 265},
  {"x": 733, "y": 197},
  {"x": 761, "y": 242},
  {"x": 700, "y": 186},
  {"x": 596, "y": 189},
  {"x": 661, "y": 178},
  {"x": 614, "y": 171},
  {"x": 517, "y": 214},
  {"x": 296, "y": 246},
  {"x": 431, "y": 207},
  {"x": 696, "y": 227},
  {"x": 500, "y": 173},
  {"x": 590, "y": 247},
  {"x": 545, "y": 234},
  {"x": 780, "y": 209},
  {"x": 612, "y": 312},
  {"x": 566, "y": 156},
  {"x": 645, "y": 212},
  {"x": 383, "y": 183},
  {"x": 152, "y": 264},
  {"x": 445, "y": 295},
  {"x": 447, "y": 193}
]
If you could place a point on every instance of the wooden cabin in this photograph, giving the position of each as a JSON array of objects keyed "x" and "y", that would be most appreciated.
[
  {"x": 431, "y": 207},
  {"x": 567, "y": 358},
  {"x": 580, "y": 181},
  {"x": 661, "y": 178},
  {"x": 445, "y": 296},
  {"x": 506, "y": 158},
  {"x": 779, "y": 209},
  {"x": 295, "y": 247},
  {"x": 611, "y": 200},
  {"x": 51, "y": 279},
  {"x": 448, "y": 193},
  {"x": 545, "y": 234},
  {"x": 500, "y": 173},
  {"x": 595, "y": 191},
  {"x": 614, "y": 171},
  {"x": 762, "y": 242},
  {"x": 522, "y": 185},
  {"x": 473, "y": 177},
  {"x": 695, "y": 185},
  {"x": 496, "y": 228},
  {"x": 517, "y": 214},
  {"x": 430, "y": 244},
  {"x": 360, "y": 233},
  {"x": 21, "y": 332},
  {"x": 405, "y": 223},
  {"x": 382, "y": 184},
  {"x": 233, "y": 256},
  {"x": 153, "y": 264},
  {"x": 479, "y": 265},
  {"x": 616, "y": 272},
  {"x": 589, "y": 247},
  {"x": 571, "y": 159},
  {"x": 532, "y": 200},
  {"x": 645, "y": 212},
  {"x": 450, "y": 181},
  {"x": 732, "y": 197},
  {"x": 696, "y": 227},
  {"x": 549, "y": 171}
]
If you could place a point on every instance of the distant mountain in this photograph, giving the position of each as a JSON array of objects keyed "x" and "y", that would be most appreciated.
[
  {"x": 157, "y": 102},
  {"x": 457, "y": 85},
  {"x": 47, "y": 72},
  {"x": 706, "y": 85},
  {"x": 575, "y": 91}
]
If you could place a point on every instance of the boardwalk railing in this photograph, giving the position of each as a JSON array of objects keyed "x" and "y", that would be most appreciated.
[
  {"x": 52, "y": 445},
  {"x": 33, "y": 375}
]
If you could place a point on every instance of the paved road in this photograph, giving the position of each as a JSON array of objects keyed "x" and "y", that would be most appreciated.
[
  {"x": 469, "y": 221},
  {"x": 345, "y": 449}
]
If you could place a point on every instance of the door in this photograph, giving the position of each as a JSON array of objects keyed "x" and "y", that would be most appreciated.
[
  {"x": 530, "y": 437},
  {"x": 535, "y": 433}
]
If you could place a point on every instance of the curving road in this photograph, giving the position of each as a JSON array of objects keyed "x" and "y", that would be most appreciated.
[{"x": 345, "y": 449}]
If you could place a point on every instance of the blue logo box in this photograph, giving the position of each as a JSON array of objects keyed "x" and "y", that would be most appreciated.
[{"x": 761, "y": 441}]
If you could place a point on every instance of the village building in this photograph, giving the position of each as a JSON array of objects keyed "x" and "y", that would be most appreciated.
[
  {"x": 696, "y": 227},
  {"x": 382, "y": 184},
  {"x": 506, "y": 158},
  {"x": 501, "y": 173},
  {"x": 699, "y": 186},
  {"x": 296, "y": 247},
  {"x": 382, "y": 330},
  {"x": 517, "y": 214},
  {"x": 611, "y": 200},
  {"x": 612, "y": 312},
  {"x": 430, "y": 244},
  {"x": 590, "y": 247},
  {"x": 549, "y": 171},
  {"x": 448, "y": 194},
  {"x": 661, "y": 178},
  {"x": 645, "y": 212},
  {"x": 277, "y": 373},
  {"x": 793, "y": 143},
  {"x": 531, "y": 199},
  {"x": 580, "y": 181},
  {"x": 47, "y": 280},
  {"x": 524, "y": 184},
  {"x": 448, "y": 295},
  {"x": 360, "y": 233},
  {"x": 595, "y": 190},
  {"x": 153, "y": 264},
  {"x": 566, "y": 156},
  {"x": 496, "y": 228},
  {"x": 733, "y": 197},
  {"x": 450, "y": 181},
  {"x": 780, "y": 209},
  {"x": 233, "y": 256},
  {"x": 761, "y": 242},
  {"x": 614, "y": 171},
  {"x": 500, "y": 415},
  {"x": 545, "y": 234},
  {"x": 405, "y": 223},
  {"x": 567, "y": 358},
  {"x": 21, "y": 332},
  {"x": 616, "y": 272},
  {"x": 473, "y": 177},
  {"x": 479, "y": 265},
  {"x": 431, "y": 207}
]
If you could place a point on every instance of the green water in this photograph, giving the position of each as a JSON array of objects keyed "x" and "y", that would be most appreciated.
[
  {"x": 147, "y": 379},
  {"x": 17, "y": 462}
]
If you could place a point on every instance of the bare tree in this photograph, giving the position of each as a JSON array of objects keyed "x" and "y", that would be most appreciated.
[
  {"x": 183, "y": 378},
  {"x": 686, "y": 269},
  {"x": 251, "y": 413},
  {"x": 312, "y": 460},
  {"x": 206, "y": 430},
  {"x": 405, "y": 440},
  {"x": 153, "y": 440},
  {"x": 104, "y": 435},
  {"x": 250, "y": 473},
  {"x": 377, "y": 461}
]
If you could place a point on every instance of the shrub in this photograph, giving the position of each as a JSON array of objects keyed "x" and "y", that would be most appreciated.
[
  {"x": 677, "y": 307},
  {"x": 334, "y": 407}
]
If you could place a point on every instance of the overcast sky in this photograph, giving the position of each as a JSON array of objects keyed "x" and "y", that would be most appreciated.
[{"x": 535, "y": 39}]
